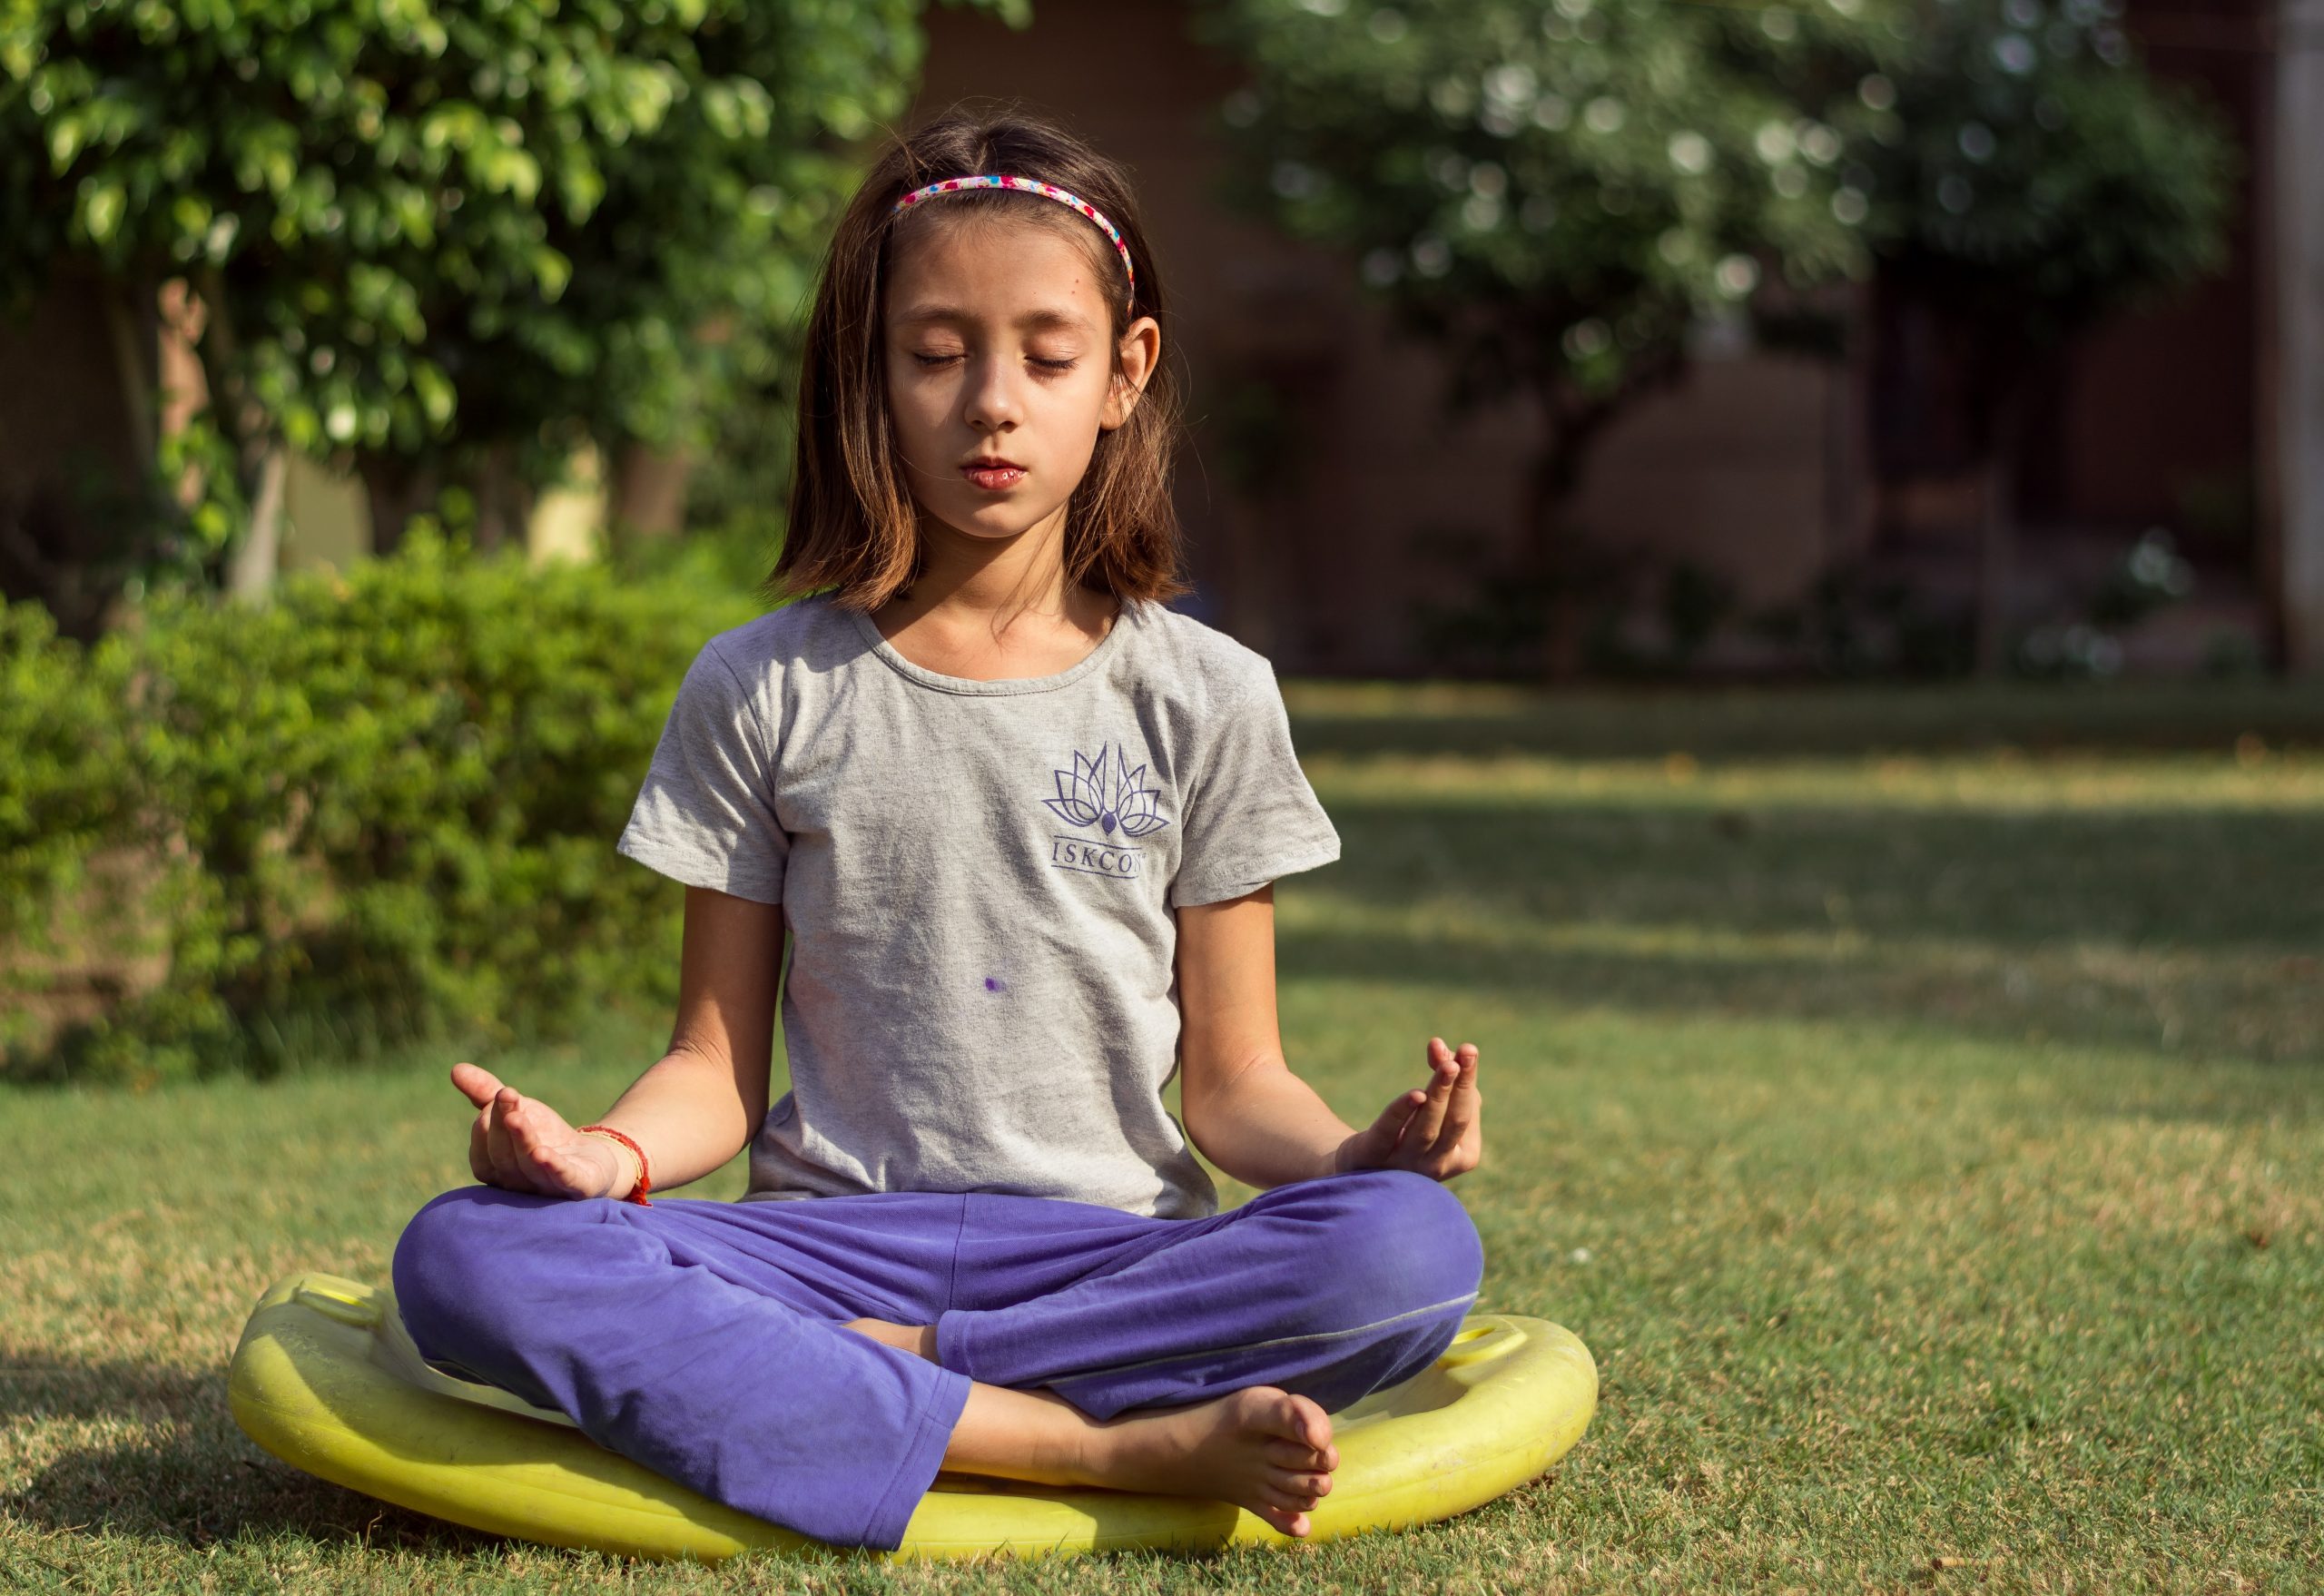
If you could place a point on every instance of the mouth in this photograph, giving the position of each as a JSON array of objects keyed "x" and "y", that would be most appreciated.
[{"x": 993, "y": 474}]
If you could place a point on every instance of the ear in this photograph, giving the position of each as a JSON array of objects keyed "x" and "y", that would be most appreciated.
[{"x": 1140, "y": 349}]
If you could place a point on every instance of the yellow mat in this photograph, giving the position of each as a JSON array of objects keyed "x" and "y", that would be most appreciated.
[{"x": 327, "y": 1379}]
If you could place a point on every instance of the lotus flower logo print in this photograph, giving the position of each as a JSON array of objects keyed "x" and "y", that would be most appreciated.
[{"x": 1115, "y": 801}]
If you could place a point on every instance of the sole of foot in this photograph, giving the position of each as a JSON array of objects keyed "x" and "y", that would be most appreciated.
[{"x": 1260, "y": 1448}]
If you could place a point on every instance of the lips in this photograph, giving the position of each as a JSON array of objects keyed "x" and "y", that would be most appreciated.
[{"x": 993, "y": 473}]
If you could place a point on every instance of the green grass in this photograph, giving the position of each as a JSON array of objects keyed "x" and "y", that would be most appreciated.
[{"x": 1913, "y": 1099}]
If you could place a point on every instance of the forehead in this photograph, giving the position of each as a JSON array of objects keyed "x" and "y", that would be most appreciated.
[{"x": 993, "y": 270}]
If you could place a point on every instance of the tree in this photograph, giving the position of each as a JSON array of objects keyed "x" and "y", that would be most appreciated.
[
  {"x": 1554, "y": 192},
  {"x": 437, "y": 241},
  {"x": 2029, "y": 179}
]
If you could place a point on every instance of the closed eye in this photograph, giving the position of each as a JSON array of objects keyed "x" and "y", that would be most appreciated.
[{"x": 931, "y": 362}]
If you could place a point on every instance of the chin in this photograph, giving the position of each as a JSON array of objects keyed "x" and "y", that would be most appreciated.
[{"x": 993, "y": 530}]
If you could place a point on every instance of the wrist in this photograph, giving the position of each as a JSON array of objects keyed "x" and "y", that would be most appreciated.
[{"x": 629, "y": 1164}]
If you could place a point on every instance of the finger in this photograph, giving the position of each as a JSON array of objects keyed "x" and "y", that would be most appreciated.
[
  {"x": 1462, "y": 1105},
  {"x": 479, "y": 1154},
  {"x": 478, "y": 1085},
  {"x": 495, "y": 1138},
  {"x": 1390, "y": 1126},
  {"x": 1429, "y": 1118}
]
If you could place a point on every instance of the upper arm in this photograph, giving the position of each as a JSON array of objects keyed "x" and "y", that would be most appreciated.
[
  {"x": 1226, "y": 1002},
  {"x": 728, "y": 977}
]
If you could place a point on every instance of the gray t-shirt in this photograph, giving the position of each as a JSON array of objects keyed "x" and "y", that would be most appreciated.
[{"x": 978, "y": 881}]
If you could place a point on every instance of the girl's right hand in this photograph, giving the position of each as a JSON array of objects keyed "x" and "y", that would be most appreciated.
[{"x": 524, "y": 1145}]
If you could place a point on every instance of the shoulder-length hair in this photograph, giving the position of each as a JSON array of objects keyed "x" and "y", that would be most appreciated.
[{"x": 853, "y": 526}]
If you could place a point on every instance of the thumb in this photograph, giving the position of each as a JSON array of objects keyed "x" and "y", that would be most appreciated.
[
  {"x": 1384, "y": 1133},
  {"x": 478, "y": 1086}
]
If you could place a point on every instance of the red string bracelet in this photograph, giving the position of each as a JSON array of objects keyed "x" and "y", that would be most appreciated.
[{"x": 644, "y": 1170}]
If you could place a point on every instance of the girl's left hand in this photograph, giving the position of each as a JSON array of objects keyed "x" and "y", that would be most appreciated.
[{"x": 1435, "y": 1130}]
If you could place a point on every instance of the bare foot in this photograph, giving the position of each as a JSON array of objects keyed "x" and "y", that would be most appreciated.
[
  {"x": 920, "y": 1340},
  {"x": 1259, "y": 1448}
]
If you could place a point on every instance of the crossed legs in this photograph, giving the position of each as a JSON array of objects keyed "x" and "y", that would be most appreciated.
[{"x": 815, "y": 1362}]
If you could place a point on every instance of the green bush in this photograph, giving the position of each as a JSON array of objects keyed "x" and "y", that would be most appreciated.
[
  {"x": 66, "y": 786},
  {"x": 63, "y": 779},
  {"x": 394, "y": 794}
]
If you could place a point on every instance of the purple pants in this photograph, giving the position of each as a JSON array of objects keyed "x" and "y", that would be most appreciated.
[{"x": 703, "y": 1339}]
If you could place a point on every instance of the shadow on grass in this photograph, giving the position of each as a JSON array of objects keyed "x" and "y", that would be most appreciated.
[
  {"x": 2219, "y": 879},
  {"x": 2173, "y": 931},
  {"x": 1760, "y": 723},
  {"x": 1973, "y": 1005},
  {"x": 193, "y": 1477}
]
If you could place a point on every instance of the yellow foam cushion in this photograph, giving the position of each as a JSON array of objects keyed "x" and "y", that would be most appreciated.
[{"x": 326, "y": 1379}]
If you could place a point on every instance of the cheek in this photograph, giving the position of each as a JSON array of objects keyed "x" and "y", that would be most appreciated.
[
  {"x": 1079, "y": 406},
  {"x": 916, "y": 406}
]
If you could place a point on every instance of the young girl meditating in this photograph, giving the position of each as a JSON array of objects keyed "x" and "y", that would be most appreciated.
[{"x": 1015, "y": 824}]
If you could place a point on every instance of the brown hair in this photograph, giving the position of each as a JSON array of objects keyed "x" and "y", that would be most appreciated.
[{"x": 853, "y": 526}]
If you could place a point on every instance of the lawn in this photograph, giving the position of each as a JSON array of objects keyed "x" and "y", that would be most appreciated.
[{"x": 1912, "y": 1099}]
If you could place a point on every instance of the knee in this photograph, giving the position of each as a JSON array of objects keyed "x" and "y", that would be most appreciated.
[
  {"x": 1399, "y": 1243},
  {"x": 455, "y": 1258}
]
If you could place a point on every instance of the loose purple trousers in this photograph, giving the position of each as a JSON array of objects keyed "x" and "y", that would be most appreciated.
[{"x": 704, "y": 1339}]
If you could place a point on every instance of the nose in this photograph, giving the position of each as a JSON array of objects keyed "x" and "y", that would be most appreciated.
[{"x": 989, "y": 401}]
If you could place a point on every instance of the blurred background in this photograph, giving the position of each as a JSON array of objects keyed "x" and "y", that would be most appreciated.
[
  {"x": 1559, "y": 338},
  {"x": 392, "y": 395}
]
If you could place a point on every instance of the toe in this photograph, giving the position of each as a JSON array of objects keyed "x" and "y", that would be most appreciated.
[
  {"x": 1278, "y": 1513},
  {"x": 1298, "y": 1456},
  {"x": 1314, "y": 1427},
  {"x": 1291, "y": 1521},
  {"x": 1284, "y": 1418},
  {"x": 1304, "y": 1490}
]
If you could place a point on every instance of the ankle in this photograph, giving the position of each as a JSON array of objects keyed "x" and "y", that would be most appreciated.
[{"x": 920, "y": 1340}]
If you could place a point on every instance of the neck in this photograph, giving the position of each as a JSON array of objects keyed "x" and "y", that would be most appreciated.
[{"x": 995, "y": 580}]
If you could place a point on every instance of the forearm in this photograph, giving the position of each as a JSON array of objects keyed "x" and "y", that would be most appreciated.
[
  {"x": 687, "y": 1114},
  {"x": 1265, "y": 1126}
]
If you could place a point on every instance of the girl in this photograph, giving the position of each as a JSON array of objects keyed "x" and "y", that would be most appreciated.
[{"x": 1016, "y": 826}]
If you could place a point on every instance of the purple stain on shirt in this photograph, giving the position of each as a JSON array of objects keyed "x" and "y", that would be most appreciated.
[{"x": 994, "y": 983}]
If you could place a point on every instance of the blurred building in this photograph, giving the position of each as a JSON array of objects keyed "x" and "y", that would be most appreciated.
[{"x": 1762, "y": 470}]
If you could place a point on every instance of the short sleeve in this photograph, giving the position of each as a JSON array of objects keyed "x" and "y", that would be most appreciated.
[
  {"x": 1251, "y": 816},
  {"x": 707, "y": 815}
]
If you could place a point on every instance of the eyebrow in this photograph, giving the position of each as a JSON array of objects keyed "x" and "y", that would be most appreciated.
[{"x": 1037, "y": 320}]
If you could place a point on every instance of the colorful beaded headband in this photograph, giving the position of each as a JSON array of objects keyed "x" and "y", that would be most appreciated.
[{"x": 1031, "y": 186}]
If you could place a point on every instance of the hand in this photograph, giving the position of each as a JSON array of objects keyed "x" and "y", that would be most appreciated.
[
  {"x": 524, "y": 1145},
  {"x": 1433, "y": 1130}
]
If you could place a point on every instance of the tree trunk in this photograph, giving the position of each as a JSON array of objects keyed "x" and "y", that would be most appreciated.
[
  {"x": 1549, "y": 486},
  {"x": 129, "y": 318},
  {"x": 261, "y": 462},
  {"x": 251, "y": 577},
  {"x": 397, "y": 491},
  {"x": 1571, "y": 424},
  {"x": 1997, "y": 524},
  {"x": 649, "y": 495},
  {"x": 504, "y": 501},
  {"x": 1995, "y": 539}
]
